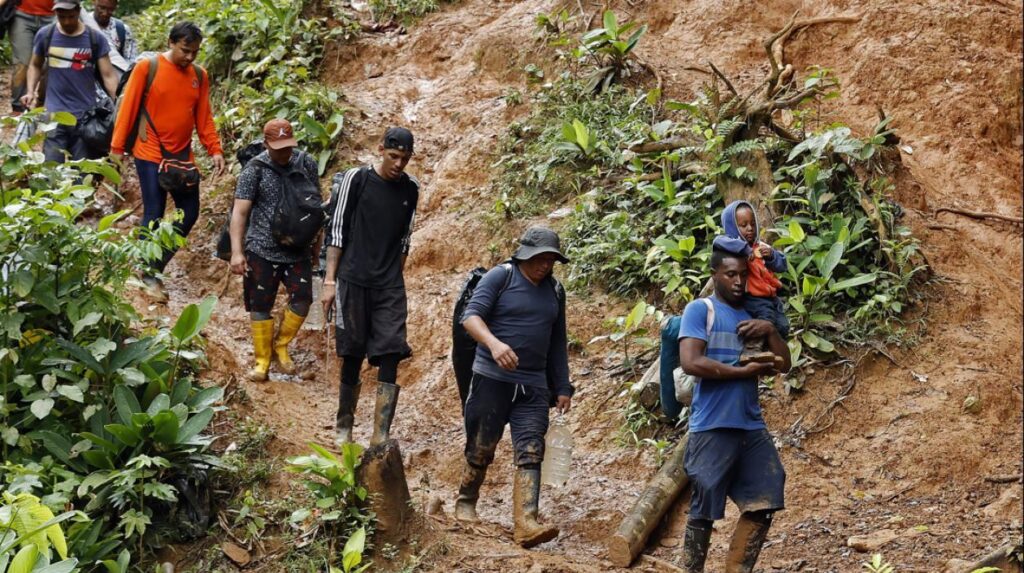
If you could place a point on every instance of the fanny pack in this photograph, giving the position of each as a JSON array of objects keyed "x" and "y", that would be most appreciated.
[{"x": 177, "y": 172}]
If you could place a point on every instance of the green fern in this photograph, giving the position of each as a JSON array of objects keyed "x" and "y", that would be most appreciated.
[
  {"x": 747, "y": 146},
  {"x": 726, "y": 128}
]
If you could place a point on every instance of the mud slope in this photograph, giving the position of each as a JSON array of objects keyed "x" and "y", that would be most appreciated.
[{"x": 901, "y": 455}]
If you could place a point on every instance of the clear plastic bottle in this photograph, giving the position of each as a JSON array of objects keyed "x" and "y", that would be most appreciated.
[
  {"x": 558, "y": 446},
  {"x": 315, "y": 318}
]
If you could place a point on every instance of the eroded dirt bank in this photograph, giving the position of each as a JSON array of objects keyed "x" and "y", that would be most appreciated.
[{"x": 901, "y": 455}]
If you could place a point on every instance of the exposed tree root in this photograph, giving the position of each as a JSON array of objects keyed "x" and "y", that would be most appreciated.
[{"x": 980, "y": 215}]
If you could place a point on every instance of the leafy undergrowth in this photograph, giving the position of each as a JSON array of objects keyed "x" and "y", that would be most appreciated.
[
  {"x": 404, "y": 11},
  {"x": 102, "y": 418},
  {"x": 644, "y": 176}
]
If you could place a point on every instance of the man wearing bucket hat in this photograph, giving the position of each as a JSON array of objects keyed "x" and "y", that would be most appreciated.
[
  {"x": 261, "y": 258},
  {"x": 517, "y": 316}
]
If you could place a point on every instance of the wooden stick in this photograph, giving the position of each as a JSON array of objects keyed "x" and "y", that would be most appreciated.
[
  {"x": 719, "y": 73},
  {"x": 669, "y": 144},
  {"x": 1003, "y": 479},
  {"x": 979, "y": 215}
]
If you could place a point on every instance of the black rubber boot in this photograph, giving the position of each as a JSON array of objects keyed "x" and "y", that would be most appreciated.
[
  {"x": 469, "y": 492},
  {"x": 747, "y": 539},
  {"x": 348, "y": 397},
  {"x": 695, "y": 547},
  {"x": 526, "y": 506},
  {"x": 384, "y": 412}
]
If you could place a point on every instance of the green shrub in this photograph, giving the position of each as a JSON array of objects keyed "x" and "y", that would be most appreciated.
[
  {"x": 94, "y": 411},
  {"x": 403, "y": 11}
]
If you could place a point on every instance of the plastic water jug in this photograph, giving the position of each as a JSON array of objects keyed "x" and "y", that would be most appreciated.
[
  {"x": 557, "y": 453},
  {"x": 315, "y": 318}
]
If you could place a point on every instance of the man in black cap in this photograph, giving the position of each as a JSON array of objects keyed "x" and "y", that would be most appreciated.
[
  {"x": 373, "y": 209},
  {"x": 517, "y": 317}
]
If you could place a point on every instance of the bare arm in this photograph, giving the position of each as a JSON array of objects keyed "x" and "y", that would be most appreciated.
[
  {"x": 35, "y": 71},
  {"x": 502, "y": 353},
  {"x": 695, "y": 363},
  {"x": 327, "y": 296},
  {"x": 109, "y": 75},
  {"x": 239, "y": 216}
]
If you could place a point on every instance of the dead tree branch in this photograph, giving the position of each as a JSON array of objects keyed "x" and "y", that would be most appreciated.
[
  {"x": 719, "y": 73},
  {"x": 669, "y": 144},
  {"x": 979, "y": 215}
]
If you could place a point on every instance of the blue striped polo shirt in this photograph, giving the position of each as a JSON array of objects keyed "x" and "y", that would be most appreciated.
[{"x": 721, "y": 403}]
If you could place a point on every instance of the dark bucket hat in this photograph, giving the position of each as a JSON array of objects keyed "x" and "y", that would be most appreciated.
[{"x": 537, "y": 240}]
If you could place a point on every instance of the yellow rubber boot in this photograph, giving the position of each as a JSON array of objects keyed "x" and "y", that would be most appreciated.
[
  {"x": 290, "y": 325},
  {"x": 262, "y": 339}
]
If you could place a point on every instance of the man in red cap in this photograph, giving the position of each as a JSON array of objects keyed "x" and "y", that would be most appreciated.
[{"x": 264, "y": 257}]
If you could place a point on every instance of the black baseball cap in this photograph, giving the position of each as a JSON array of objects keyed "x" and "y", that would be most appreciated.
[
  {"x": 398, "y": 138},
  {"x": 537, "y": 240}
]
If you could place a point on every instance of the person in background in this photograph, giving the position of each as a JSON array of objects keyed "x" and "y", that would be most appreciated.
[
  {"x": 66, "y": 48},
  {"x": 118, "y": 34},
  {"x": 29, "y": 17}
]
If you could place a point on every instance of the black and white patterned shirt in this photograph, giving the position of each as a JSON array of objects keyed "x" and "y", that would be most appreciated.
[{"x": 262, "y": 185}]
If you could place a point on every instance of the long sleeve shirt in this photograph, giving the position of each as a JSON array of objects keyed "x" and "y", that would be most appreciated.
[{"x": 178, "y": 102}]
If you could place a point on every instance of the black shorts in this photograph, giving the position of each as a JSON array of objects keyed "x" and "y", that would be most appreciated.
[
  {"x": 370, "y": 322},
  {"x": 260, "y": 284},
  {"x": 740, "y": 464}
]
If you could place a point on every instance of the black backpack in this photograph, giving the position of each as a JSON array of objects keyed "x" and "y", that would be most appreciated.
[
  {"x": 299, "y": 214},
  {"x": 464, "y": 345},
  {"x": 7, "y": 14},
  {"x": 96, "y": 125}
]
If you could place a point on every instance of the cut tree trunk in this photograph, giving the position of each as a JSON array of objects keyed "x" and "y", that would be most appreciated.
[
  {"x": 756, "y": 193},
  {"x": 382, "y": 474},
  {"x": 660, "y": 494}
]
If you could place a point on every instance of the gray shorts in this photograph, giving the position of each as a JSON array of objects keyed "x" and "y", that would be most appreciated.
[
  {"x": 742, "y": 465},
  {"x": 370, "y": 322}
]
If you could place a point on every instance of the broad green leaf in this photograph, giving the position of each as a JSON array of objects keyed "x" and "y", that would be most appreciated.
[
  {"x": 86, "y": 321},
  {"x": 41, "y": 408},
  {"x": 126, "y": 403},
  {"x": 82, "y": 355},
  {"x": 165, "y": 427},
  {"x": 636, "y": 315},
  {"x": 831, "y": 260},
  {"x": 194, "y": 425},
  {"x": 127, "y": 435},
  {"x": 160, "y": 402},
  {"x": 180, "y": 391},
  {"x": 796, "y": 231},
  {"x": 582, "y": 134},
  {"x": 63, "y": 118},
  {"x": 73, "y": 393},
  {"x": 186, "y": 325},
  {"x": 24, "y": 560},
  {"x": 611, "y": 24},
  {"x": 22, "y": 282},
  {"x": 852, "y": 282},
  {"x": 65, "y": 566},
  {"x": 110, "y": 219},
  {"x": 206, "y": 398}
]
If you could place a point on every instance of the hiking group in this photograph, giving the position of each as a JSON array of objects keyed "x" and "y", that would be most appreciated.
[{"x": 510, "y": 346}]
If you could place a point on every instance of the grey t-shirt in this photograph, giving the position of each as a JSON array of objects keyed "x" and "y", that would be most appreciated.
[
  {"x": 262, "y": 185},
  {"x": 526, "y": 317}
]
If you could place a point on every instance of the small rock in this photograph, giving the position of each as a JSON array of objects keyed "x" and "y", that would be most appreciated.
[
  {"x": 435, "y": 506},
  {"x": 871, "y": 541},
  {"x": 235, "y": 553},
  {"x": 560, "y": 213}
]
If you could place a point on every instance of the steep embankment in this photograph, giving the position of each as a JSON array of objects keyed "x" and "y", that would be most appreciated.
[{"x": 901, "y": 452}]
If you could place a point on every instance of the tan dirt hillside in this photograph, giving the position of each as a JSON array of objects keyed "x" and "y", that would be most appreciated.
[{"x": 901, "y": 455}]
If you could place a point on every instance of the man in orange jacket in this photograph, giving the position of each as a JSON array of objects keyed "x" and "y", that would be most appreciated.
[{"x": 164, "y": 117}]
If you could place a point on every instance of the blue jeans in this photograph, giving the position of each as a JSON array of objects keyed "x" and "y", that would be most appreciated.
[
  {"x": 64, "y": 142},
  {"x": 154, "y": 203},
  {"x": 770, "y": 309}
]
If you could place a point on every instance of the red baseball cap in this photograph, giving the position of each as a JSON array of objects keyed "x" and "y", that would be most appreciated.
[{"x": 278, "y": 134}]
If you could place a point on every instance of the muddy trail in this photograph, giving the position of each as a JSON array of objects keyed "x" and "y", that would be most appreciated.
[{"x": 898, "y": 459}]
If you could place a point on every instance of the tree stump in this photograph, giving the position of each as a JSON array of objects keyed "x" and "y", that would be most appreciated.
[{"x": 382, "y": 474}]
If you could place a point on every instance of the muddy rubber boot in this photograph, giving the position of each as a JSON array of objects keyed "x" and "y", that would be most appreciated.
[
  {"x": 262, "y": 340},
  {"x": 695, "y": 548},
  {"x": 754, "y": 351},
  {"x": 384, "y": 412},
  {"x": 746, "y": 544},
  {"x": 290, "y": 324},
  {"x": 348, "y": 398},
  {"x": 469, "y": 492},
  {"x": 525, "y": 501}
]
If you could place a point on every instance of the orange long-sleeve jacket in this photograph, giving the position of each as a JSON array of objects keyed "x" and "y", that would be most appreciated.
[{"x": 177, "y": 102}]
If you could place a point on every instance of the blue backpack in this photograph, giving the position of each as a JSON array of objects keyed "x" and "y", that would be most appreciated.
[{"x": 671, "y": 402}]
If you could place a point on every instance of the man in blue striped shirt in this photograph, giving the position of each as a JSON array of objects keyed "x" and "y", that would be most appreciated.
[{"x": 729, "y": 453}]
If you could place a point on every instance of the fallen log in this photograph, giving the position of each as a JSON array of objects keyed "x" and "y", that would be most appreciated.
[
  {"x": 979, "y": 215},
  {"x": 1006, "y": 559},
  {"x": 661, "y": 493}
]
